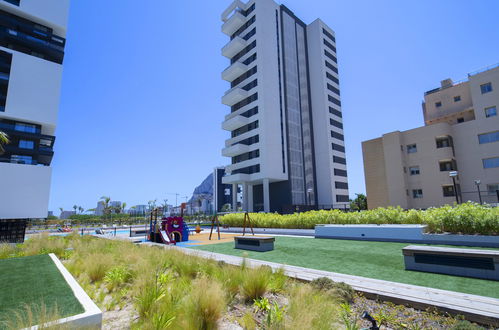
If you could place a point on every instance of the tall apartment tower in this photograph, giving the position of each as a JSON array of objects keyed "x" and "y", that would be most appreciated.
[
  {"x": 286, "y": 144},
  {"x": 412, "y": 169},
  {"x": 32, "y": 41}
]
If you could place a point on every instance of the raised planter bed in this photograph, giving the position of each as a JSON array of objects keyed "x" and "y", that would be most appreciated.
[{"x": 402, "y": 234}]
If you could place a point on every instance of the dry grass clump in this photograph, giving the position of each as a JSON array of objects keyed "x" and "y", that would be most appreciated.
[
  {"x": 338, "y": 290},
  {"x": 255, "y": 283},
  {"x": 204, "y": 305}
]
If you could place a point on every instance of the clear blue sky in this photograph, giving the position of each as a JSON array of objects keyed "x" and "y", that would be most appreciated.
[{"x": 140, "y": 110}]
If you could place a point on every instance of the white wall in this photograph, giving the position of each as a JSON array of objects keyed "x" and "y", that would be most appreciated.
[
  {"x": 24, "y": 191},
  {"x": 34, "y": 89}
]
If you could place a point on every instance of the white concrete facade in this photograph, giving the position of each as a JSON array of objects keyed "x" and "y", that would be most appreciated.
[
  {"x": 31, "y": 52},
  {"x": 278, "y": 96},
  {"x": 461, "y": 134}
]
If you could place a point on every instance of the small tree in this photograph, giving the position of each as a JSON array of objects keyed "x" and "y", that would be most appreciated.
[{"x": 359, "y": 203}]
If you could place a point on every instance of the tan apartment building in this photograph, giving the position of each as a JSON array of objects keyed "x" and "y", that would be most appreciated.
[{"x": 461, "y": 133}]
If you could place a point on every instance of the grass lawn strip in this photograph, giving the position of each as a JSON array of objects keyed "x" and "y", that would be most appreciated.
[
  {"x": 378, "y": 260},
  {"x": 34, "y": 281}
]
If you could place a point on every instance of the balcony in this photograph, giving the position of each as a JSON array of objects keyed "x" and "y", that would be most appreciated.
[
  {"x": 235, "y": 150},
  {"x": 233, "y": 23},
  {"x": 235, "y": 123},
  {"x": 235, "y": 178},
  {"x": 233, "y": 47},
  {"x": 234, "y": 95},
  {"x": 234, "y": 71}
]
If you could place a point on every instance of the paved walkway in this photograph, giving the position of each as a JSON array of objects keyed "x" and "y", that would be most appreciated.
[
  {"x": 271, "y": 231},
  {"x": 475, "y": 308}
]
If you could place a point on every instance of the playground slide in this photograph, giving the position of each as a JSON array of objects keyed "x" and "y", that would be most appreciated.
[{"x": 165, "y": 237}]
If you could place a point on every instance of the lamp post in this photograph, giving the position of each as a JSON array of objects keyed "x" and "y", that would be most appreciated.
[
  {"x": 453, "y": 175},
  {"x": 309, "y": 193},
  {"x": 477, "y": 182}
]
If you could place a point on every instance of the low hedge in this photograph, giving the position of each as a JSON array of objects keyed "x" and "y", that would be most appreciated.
[{"x": 467, "y": 218}]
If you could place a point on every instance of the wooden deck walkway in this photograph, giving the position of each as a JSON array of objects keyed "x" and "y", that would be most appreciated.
[{"x": 479, "y": 309}]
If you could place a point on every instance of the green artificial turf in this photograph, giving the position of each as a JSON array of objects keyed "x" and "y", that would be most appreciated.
[
  {"x": 31, "y": 281},
  {"x": 377, "y": 260}
]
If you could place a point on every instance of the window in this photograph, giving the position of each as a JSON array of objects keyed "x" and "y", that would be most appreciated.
[
  {"x": 414, "y": 170},
  {"x": 329, "y": 45},
  {"x": 342, "y": 199},
  {"x": 338, "y": 136},
  {"x": 332, "y": 78},
  {"x": 417, "y": 193},
  {"x": 490, "y": 112},
  {"x": 443, "y": 142},
  {"x": 491, "y": 162},
  {"x": 486, "y": 88},
  {"x": 334, "y": 100},
  {"x": 244, "y": 129},
  {"x": 333, "y": 89},
  {"x": 341, "y": 185},
  {"x": 488, "y": 137},
  {"x": 460, "y": 120},
  {"x": 448, "y": 191},
  {"x": 337, "y": 147},
  {"x": 438, "y": 104},
  {"x": 246, "y": 156},
  {"x": 14, "y": 2},
  {"x": 447, "y": 165},
  {"x": 26, "y": 144},
  {"x": 412, "y": 148},
  {"x": 339, "y": 160},
  {"x": 339, "y": 172},
  {"x": 457, "y": 98},
  {"x": 335, "y": 123},
  {"x": 335, "y": 112},
  {"x": 331, "y": 56},
  {"x": 493, "y": 188},
  {"x": 244, "y": 102},
  {"x": 331, "y": 67},
  {"x": 17, "y": 159},
  {"x": 27, "y": 128},
  {"x": 329, "y": 35},
  {"x": 248, "y": 170}
]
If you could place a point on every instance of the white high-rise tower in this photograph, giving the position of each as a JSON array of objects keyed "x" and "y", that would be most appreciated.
[
  {"x": 32, "y": 41},
  {"x": 287, "y": 144}
]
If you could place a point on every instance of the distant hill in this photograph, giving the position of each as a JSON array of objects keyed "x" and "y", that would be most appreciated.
[{"x": 203, "y": 192}]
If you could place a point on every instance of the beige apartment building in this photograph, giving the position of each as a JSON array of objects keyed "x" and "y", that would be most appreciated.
[{"x": 412, "y": 169}]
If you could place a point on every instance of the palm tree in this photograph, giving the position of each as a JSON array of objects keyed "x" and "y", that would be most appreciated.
[
  {"x": 80, "y": 209},
  {"x": 75, "y": 207},
  {"x": 123, "y": 206},
  {"x": 4, "y": 139},
  {"x": 106, "y": 200},
  {"x": 62, "y": 210}
]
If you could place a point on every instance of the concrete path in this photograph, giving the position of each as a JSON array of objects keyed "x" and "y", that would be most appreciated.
[{"x": 479, "y": 309}]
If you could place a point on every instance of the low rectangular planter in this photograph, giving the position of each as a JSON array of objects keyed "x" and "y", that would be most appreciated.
[
  {"x": 402, "y": 234},
  {"x": 90, "y": 319}
]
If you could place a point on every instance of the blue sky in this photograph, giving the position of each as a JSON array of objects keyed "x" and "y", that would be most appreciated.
[{"x": 140, "y": 108}]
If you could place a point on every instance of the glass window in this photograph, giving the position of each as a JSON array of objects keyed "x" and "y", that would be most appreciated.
[
  {"x": 443, "y": 142},
  {"x": 25, "y": 128},
  {"x": 17, "y": 159},
  {"x": 486, "y": 88},
  {"x": 417, "y": 193},
  {"x": 492, "y": 188},
  {"x": 448, "y": 165},
  {"x": 457, "y": 98},
  {"x": 488, "y": 137},
  {"x": 448, "y": 191},
  {"x": 412, "y": 148},
  {"x": 438, "y": 104},
  {"x": 26, "y": 144},
  {"x": 490, "y": 112},
  {"x": 460, "y": 120},
  {"x": 414, "y": 170},
  {"x": 491, "y": 162}
]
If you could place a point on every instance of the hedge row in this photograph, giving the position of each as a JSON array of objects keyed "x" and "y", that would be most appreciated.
[{"x": 467, "y": 218}]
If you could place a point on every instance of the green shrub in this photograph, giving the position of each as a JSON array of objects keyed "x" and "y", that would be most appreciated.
[
  {"x": 467, "y": 218},
  {"x": 322, "y": 284}
]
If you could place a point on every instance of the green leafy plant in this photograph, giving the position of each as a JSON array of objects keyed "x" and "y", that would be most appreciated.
[{"x": 116, "y": 277}]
